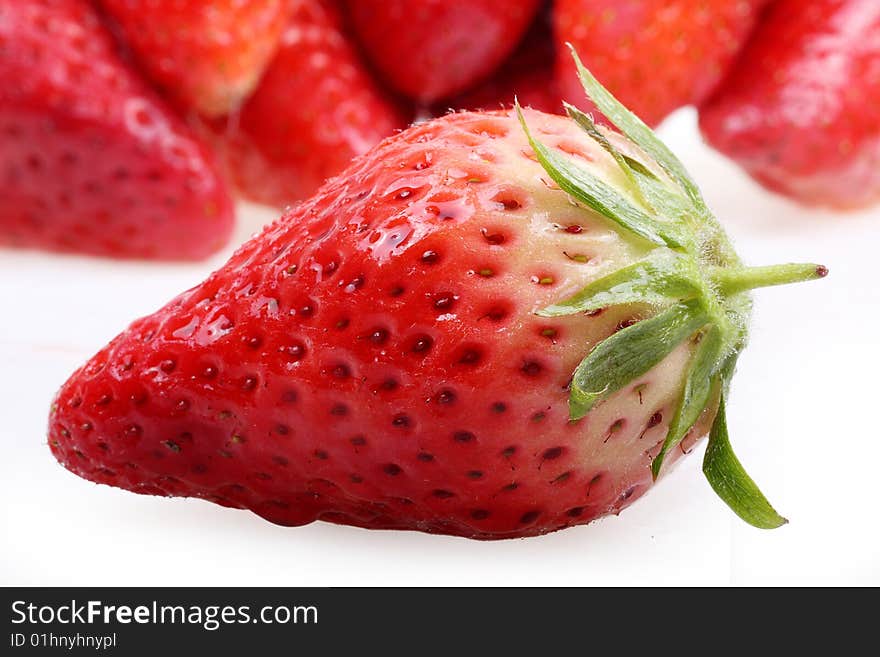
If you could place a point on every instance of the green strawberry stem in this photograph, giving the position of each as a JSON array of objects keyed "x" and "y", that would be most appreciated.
[
  {"x": 691, "y": 277},
  {"x": 741, "y": 279}
]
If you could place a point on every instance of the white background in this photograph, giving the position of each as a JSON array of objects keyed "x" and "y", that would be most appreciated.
[{"x": 804, "y": 419}]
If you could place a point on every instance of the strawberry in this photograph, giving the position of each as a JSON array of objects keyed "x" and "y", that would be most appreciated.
[
  {"x": 489, "y": 325},
  {"x": 207, "y": 55},
  {"x": 799, "y": 111},
  {"x": 434, "y": 49},
  {"x": 91, "y": 160},
  {"x": 655, "y": 55},
  {"x": 279, "y": 151},
  {"x": 527, "y": 75}
]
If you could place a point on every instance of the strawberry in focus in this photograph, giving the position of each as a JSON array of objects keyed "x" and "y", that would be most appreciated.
[
  {"x": 654, "y": 55},
  {"x": 207, "y": 55},
  {"x": 491, "y": 325},
  {"x": 91, "y": 160},
  {"x": 799, "y": 111},
  {"x": 316, "y": 108},
  {"x": 434, "y": 49}
]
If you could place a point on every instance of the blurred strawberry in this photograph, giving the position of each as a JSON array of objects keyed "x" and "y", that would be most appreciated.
[
  {"x": 207, "y": 55},
  {"x": 527, "y": 75},
  {"x": 801, "y": 110},
  {"x": 434, "y": 49},
  {"x": 91, "y": 160},
  {"x": 315, "y": 109},
  {"x": 653, "y": 55}
]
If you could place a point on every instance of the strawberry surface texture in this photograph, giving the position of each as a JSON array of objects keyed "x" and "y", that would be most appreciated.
[
  {"x": 91, "y": 159},
  {"x": 492, "y": 325},
  {"x": 800, "y": 111}
]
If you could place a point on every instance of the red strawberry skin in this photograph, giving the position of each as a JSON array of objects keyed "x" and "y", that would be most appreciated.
[
  {"x": 653, "y": 55},
  {"x": 527, "y": 75},
  {"x": 91, "y": 161},
  {"x": 315, "y": 109},
  {"x": 373, "y": 357},
  {"x": 434, "y": 49},
  {"x": 800, "y": 111},
  {"x": 207, "y": 55}
]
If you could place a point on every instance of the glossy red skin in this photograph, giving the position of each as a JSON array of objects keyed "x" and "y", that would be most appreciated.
[
  {"x": 206, "y": 55},
  {"x": 433, "y": 49},
  {"x": 315, "y": 109},
  {"x": 527, "y": 75},
  {"x": 91, "y": 160},
  {"x": 653, "y": 55},
  {"x": 350, "y": 364},
  {"x": 800, "y": 111}
]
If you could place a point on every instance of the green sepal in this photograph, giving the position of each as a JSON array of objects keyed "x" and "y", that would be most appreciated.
[
  {"x": 639, "y": 133},
  {"x": 726, "y": 371},
  {"x": 638, "y": 167},
  {"x": 601, "y": 197},
  {"x": 730, "y": 481},
  {"x": 585, "y": 122},
  {"x": 700, "y": 380},
  {"x": 629, "y": 353},
  {"x": 665, "y": 201},
  {"x": 661, "y": 278},
  {"x": 650, "y": 190}
]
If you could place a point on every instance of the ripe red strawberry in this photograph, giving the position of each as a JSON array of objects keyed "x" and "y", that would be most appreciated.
[
  {"x": 90, "y": 159},
  {"x": 800, "y": 111},
  {"x": 397, "y": 351},
  {"x": 434, "y": 49},
  {"x": 315, "y": 109},
  {"x": 526, "y": 75},
  {"x": 207, "y": 55},
  {"x": 655, "y": 55}
]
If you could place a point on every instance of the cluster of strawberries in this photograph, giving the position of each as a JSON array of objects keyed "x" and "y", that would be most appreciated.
[{"x": 123, "y": 122}]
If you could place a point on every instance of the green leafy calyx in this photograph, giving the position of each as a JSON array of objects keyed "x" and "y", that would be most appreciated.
[{"x": 690, "y": 276}]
